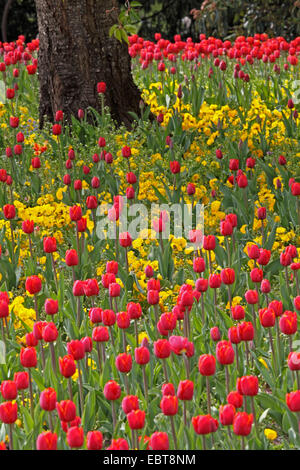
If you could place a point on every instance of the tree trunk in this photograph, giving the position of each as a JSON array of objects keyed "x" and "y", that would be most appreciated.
[{"x": 76, "y": 53}]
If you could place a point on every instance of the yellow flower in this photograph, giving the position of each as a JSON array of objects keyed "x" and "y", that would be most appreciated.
[
  {"x": 270, "y": 434},
  {"x": 263, "y": 362}
]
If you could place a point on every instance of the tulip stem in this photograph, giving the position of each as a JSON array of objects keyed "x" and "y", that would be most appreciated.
[
  {"x": 184, "y": 413},
  {"x": 273, "y": 350},
  {"x": 237, "y": 356},
  {"x": 30, "y": 247},
  {"x": 10, "y": 431},
  {"x": 187, "y": 366},
  {"x": 126, "y": 384},
  {"x": 203, "y": 442},
  {"x": 242, "y": 443},
  {"x": 51, "y": 422},
  {"x": 247, "y": 353},
  {"x": 174, "y": 433},
  {"x": 254, "y": 319},
  {"x": 227, "y": 379},
  {"x": 3, "y": 331},
  {"x": 113, "y": 411},
  {"x": 78, "y": 312},
  {"x": 99, "y": 356},
  {"x": 254, "y": 415},
  {"x": 137, "y": 439},
  {"x": 208, "y": 395},
  {"x": 228, "y": 251},
  {"x": 298, "y": 383},
  {"x": 278, "y": 339},
  {"x": 136, "y": 334},
  {"x": 126, "y": 260},
  {"x": 112, "y": 336},
  {"x": 202, "y": 308},
  {"x": 165, "y": 370},
  {"x": 124, "y": 340},
  {"x": 156, "y": 313},
  {"x": 31, "y": 394},
  {"x": 70, "y": 388},
  {"x": 52, "y": 350},
  {"x": 12, "y": 241},
  {"x": 80, "y": 387},
  {"x": 36, "y": 308},
  {"x": 54, "y": 271},
  {"x": 145, "y": 382}
]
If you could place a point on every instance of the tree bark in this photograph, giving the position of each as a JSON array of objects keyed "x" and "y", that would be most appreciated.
[{"x": 76, "y": 53}]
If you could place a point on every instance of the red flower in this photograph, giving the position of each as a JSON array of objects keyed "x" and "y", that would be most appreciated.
[
  {"x": 288, "y": 323},
  {"x": 8, "y": 412},
  {"x": 226, "y": 414},
  {"x": 235, "y": 398},
  {"x": 22, "y": 380},
  {"x": 248, "y": 385},
  {"x": 66, "y": 410},
  {"x": 267, "y": 317},
  {"x": 142, "y": 355},
  {"x": 124, "y": 363},
  {"x": 9, "y": 211},
  {"x": 251, "y": 297},
  {"x": 108, "y": 317},
  {"x": 242, "y": 423},
  {"x": 175, "y": 167},
  {"x": 130, "y": 403},
  {"x": 49, "y": 245},
  {"x": 159, "y": 441},
  {"x": 71, "y": 258},
  {"x": 136, "y": 419},
  {"x": 48, "y": 399},
  {"x": 118, "y": 444},
  {"x": 76, "y": 349},
  {"x": 125, "y": 239},
  {"x": 294, "y": 361},
  {"x": 67, "y": 366},
  {"x": 9, "y": 390},
  {"x": 225, "y": 352},
  {"x": 185, "y": 390},
  {"x": 169, "y": 405},
  {"x": 293, "y": 400},
  {"x": 168, "y": 389},
  {"x": 112, "y": 390},
  {"x": 33, "y": 285},
  {"x": 50, "y": 332},
  {"x": 101, "y": 87},
  {"x": 28, "y": 226},
  {"x": 215, "y": 333},
  {"x": 75, "y": 437},
  {"x": 228, "y": 276},
  {"x": 94, "y": 440},
  {"x": 162, "y": 348},
  {"x": 46, "y": 441},
  {"x": 28, "y": 357},
  {"x": 75, "y": 213},
  {"x": 56, "y": 129},
  {"x": 123, "y": 320},
  {"x": 205, "y": 424},
  {"x": 91, "y": 287},
  {"x": 51, "y": 306},
  {"x": 209, "y": 242},
  {"x": 246, "y": 331},
  {"x": 207, "y": 365}
]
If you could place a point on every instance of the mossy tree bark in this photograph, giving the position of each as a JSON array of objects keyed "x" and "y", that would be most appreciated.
[{"x": 76, "y": 53}]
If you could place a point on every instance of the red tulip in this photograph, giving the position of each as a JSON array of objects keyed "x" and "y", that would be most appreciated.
[
  {"x": 136, "y": 419},
  {"x": 48, "y": 399},
  {"x": 207, "y": 365},
  {"x": 46, "y": 441},
  {"x": 185, "y": 390},
  {"x": 75, "y": 437},
  {"x": 9, "y": 390},
  {"x": 67, "y": 366},
  {"x": 242, "y": 423},
  {"x": 159, "y": 441},
  {"x": 8, "y": 412},
  {"x": 112, "y": 390},
  {"x": 66, "y": 410},
  {"x": 204, "y": 424},
  {"x": 94, "y": 440}
]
